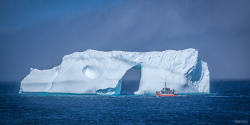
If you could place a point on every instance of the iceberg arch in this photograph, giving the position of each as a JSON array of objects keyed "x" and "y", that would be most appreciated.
[
  {"x": 92, "y": 71},
  {"x": 130, "y": 81}
]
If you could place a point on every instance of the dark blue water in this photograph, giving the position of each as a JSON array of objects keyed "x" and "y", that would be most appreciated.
[{"x": 228, "y": 101}]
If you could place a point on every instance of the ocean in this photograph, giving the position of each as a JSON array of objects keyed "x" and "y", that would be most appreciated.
[{"x": 227, "y": 103}]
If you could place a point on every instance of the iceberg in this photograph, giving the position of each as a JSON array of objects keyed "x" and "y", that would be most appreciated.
[{"x": 93, "y": 72}]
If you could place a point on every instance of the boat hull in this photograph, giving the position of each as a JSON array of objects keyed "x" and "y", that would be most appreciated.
[{"x": 166, "y": 94}]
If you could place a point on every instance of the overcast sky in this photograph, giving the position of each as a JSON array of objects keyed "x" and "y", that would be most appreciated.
[{"x": 37, "y": 33}]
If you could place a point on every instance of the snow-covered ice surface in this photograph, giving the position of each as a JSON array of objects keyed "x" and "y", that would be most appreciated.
[{"x": 91, "y": 71}]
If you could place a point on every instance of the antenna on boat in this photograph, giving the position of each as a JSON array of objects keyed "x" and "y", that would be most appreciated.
[{"x": 165, "y": 82}]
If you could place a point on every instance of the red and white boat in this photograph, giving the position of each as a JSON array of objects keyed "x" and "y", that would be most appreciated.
[
  {"x": 166, "y": 92},
  {"x": 160, "y": 94}
]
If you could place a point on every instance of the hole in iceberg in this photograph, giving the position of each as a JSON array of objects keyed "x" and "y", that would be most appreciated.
[
  {"x": 131, "y": 81},
  {"x": 92, "y": 72},
  {"x": 127, "y": 85}
]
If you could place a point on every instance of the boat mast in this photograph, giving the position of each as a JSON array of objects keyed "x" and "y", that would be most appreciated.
[{"x": 165, "y": 82}]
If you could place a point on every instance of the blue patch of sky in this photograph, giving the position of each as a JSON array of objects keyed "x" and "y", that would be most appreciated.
[{"x": 23, "y": 14}]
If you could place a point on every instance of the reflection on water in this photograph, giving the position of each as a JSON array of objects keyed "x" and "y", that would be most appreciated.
[{"x": 227, "y": 102}]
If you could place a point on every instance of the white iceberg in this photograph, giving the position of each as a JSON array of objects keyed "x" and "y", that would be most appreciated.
[{"x": 91, "y": 71}]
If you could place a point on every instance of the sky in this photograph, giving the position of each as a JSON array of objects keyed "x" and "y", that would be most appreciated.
[{"x": 37, "y": 33}]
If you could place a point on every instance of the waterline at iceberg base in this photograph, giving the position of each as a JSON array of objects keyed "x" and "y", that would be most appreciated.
[{"x": 92, "y": 71}]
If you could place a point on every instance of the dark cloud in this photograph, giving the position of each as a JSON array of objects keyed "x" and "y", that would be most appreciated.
[{"x": 37, "y": 33}]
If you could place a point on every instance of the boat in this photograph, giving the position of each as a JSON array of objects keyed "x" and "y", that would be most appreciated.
[{"x": 166, "y": 92}]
